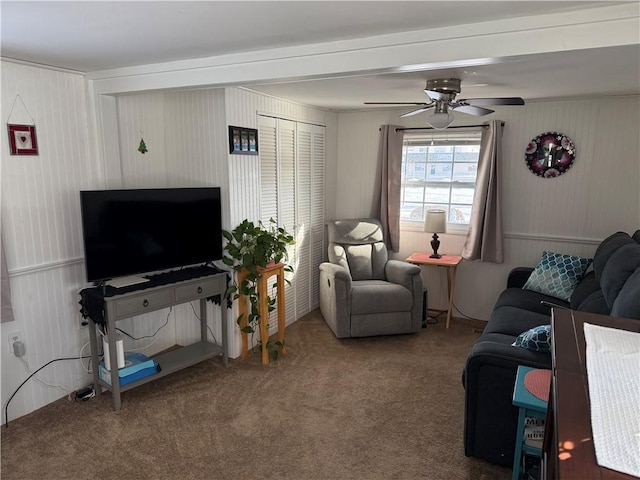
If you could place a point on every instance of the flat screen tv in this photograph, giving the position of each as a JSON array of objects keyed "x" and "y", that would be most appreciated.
[{"x": 130, "y": 232}]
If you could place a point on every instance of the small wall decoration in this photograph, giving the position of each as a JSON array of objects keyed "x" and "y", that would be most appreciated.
[
  {"x": 243, "y": 141},
  {"x": 22, "y": 139},
  {"x": 142, "y": 148},
  {"x": 550, "y": 154}
]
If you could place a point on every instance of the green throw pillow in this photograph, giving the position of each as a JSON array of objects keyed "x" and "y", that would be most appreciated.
[{"x": 557, "y": 275}]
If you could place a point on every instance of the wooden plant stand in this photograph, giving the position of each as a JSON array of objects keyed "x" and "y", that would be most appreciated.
[{"x": 265, "y": 274}]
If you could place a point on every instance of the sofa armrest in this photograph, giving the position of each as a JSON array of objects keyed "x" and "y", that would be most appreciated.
[
  {"x": 408, "y": 275},
  {"x": 489, "y": 378},
  {"x": 518, "y": 277},
  {"x": 335, "y": 298},
  {"x": 336, "y": 271},
  {"x": 486, "y": 352},
  {"x": 402, "y": 273}
]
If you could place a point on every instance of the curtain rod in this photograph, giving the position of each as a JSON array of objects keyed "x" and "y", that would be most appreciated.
[{"x": 484, "y": 125}]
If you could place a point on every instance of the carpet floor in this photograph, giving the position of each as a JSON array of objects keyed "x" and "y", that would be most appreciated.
[{"x": 371, "y": 408}]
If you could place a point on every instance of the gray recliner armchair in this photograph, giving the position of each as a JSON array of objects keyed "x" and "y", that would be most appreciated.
[{"x": 362, "y": 292}]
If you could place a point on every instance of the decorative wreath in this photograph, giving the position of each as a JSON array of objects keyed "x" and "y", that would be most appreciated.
[{"x": 550, "y": 154}]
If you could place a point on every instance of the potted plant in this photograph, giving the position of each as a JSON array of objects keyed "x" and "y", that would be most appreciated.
[{"x": 251, "y": 248}]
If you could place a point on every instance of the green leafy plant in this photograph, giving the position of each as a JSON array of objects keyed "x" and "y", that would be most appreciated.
[{"x": 252, "y": 248}]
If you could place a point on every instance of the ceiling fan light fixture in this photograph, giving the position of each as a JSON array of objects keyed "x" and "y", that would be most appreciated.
[{"x": 440, "y": 120}]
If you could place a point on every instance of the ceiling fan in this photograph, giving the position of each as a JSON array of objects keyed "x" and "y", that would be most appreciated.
[{"x": 442, "y": 94}]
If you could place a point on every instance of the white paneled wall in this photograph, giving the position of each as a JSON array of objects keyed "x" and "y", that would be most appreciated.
[
  {"x": 40, "y": 200},
  {"x": 196, "y": 142},
  {"x": 599, "y": 195},
  {"x": 142, "y": 116},
  {"x": 41, "y": 228},
  {"x": 184, "y": 132}
]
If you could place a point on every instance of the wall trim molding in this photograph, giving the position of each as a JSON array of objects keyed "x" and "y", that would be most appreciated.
[
  {"x": 553, "y": 238},
  {"x": 287, "y": 117},
  {"x": 45, "y": 266},
  {"x": 515, "y": 235},
  {"x": 42, "y": 65}
]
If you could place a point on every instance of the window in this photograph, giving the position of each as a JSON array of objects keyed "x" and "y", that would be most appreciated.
[{"x": 439, "y": 172}]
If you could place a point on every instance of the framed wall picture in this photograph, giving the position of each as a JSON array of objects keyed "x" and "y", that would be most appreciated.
[
  {"x": 22, "y": 139},
  {"x": 243, "y": 141}
]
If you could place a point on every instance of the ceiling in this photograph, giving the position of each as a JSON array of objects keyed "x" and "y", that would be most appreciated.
[{"x": 104, "y": 35}]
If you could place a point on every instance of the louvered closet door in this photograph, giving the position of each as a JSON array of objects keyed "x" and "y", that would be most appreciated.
[
  {"x": 277, "y": 194},
  {"x": 318, "y": 249},
  {"x": 310, "y": 215},
  {"x": 269, "y": 185},
  {"x": 303, "y": 226},
  {"x": 287, "y": 201},
  {"x": 292, "y": 193},
  {"x": 267, "y": 141}
]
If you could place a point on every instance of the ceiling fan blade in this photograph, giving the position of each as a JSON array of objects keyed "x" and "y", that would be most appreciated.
[
  {"x": 487, "y": 102},
  {"x": 433, "y": 95},
  {"x": 396, "y": 103},
  {"x": 415, "y": 112},
  {"x": 472, "y": 110}
]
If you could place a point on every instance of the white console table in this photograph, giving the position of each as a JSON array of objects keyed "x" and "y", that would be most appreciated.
[{"x": 143, "y": 299}]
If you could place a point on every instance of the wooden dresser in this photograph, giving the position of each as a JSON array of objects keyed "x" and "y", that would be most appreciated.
[{"x": 568, "y": 450}]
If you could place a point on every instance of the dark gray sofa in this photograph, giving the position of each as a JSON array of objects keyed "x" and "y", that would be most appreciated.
[{"x": 611, "y": 287}]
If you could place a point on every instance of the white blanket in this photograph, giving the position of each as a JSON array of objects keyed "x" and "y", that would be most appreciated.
[{"x": 613, "y": 371}]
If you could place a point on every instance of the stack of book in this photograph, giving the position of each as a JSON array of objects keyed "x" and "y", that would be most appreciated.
[
  {"x": 136, "y": 366},
  {"x": 534, "y": 432}
]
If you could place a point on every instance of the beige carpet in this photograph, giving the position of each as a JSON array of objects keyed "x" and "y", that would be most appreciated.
[{"x": 375, "y": 408}]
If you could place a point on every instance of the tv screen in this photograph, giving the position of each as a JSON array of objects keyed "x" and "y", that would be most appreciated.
[{"x": 130, "y": 232}]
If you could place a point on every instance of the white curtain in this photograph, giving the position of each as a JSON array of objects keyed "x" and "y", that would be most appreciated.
[
  {"x": 484, "y": 239},
  {"x": 5, "y": 288},
  {"x": 386, "y": 198}
]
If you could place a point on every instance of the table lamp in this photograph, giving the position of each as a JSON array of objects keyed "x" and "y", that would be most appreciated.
[{"x": 435, "y": 222}]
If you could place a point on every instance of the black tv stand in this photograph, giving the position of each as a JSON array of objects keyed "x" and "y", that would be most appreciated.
[{"x": 162, "y": 291}]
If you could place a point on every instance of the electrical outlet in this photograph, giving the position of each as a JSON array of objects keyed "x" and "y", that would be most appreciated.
[{"x": 14, "y": 337}]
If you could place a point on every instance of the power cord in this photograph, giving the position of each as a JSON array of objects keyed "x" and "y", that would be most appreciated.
[
  {"x": 6, "y": 407},
  {"x": 148, "y": 336},
  {"x": 465, "y": 315},
  {"x": 435, "y": 318},
  {"x": 41, "y": 381},
  {"x": 198, "y": 317},
  {"x": 80, "y": 357}
]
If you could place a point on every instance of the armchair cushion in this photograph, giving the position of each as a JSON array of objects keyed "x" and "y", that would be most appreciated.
[
  {"x": 363, "y": 261},
  {"x": 378, "y": 296},
  {"x": 366, "y": 261},
  {"x": 356, "y": 231}
]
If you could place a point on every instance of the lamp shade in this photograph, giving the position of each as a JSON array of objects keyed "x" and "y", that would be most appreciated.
[
  {"x": 440, "y": 120},
  {"x": 435, "y": 221}
]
